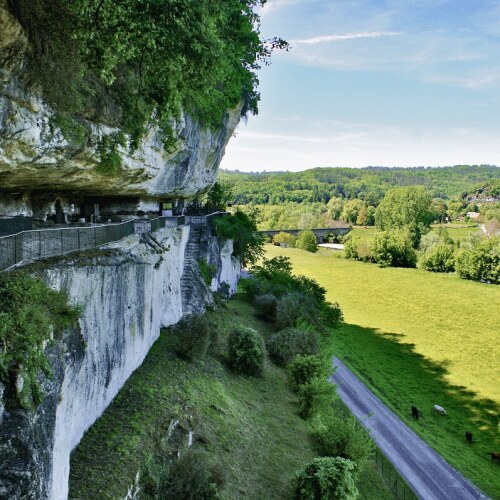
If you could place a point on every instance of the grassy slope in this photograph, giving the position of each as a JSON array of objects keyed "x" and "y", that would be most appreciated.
[
  {"x": 421, "y": 338},
  {"x": 250, "y": 424}
]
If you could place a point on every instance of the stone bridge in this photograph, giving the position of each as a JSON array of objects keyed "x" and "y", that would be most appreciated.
[{"x": 320, "y": 233}]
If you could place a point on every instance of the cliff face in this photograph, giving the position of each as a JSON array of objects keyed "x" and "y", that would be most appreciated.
[
  {"x": 40, "y": 154},
  {"x": 128, "y": 291}
]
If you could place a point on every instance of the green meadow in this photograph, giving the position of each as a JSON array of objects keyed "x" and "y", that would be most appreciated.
[{"x": 421, "y": 338}]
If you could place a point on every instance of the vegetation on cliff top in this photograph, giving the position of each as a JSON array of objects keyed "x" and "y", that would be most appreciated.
[{"x": 130, "y": 62}]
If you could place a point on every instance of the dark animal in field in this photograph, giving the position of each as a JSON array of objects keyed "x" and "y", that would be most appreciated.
[
  {"x": 468, "y": 437},
  {"x": 415, "y": 412},
  {"x": 495, "y": 456}
]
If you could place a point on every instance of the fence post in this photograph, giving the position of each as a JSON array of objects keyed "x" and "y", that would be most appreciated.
[
  {"x": 39, "y": 244},
  {"x": 62, "y": 243}
]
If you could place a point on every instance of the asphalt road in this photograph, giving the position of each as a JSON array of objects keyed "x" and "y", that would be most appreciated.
[{"x": 424, "y": 470}]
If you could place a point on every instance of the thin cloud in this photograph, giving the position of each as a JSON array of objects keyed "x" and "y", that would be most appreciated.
[
  {"x": 348, "y": 36},
  {"x": 277, "y": 4}
]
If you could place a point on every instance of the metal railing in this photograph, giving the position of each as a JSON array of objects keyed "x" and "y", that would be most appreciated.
[
  {"x": 42, "y": 243},
  {"x": 204, "y": 219},
  {"x": 396, "y": 484}
]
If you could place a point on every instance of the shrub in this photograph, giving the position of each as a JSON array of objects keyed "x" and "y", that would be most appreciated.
[
  {"x": 304, "y": 369},
  {"x": 246, "y": 351},
  {"x": 357, "y": 248},
  {"x": 242, "y": 229},
  {"x": 327, "y": 478},
  {"x": 479, "y": 259},
  {"x": 286, "y": 238},
  {"x": 314, "y": 396},
  {"x": 266, "y": 306},
  {"x": 331, "y": 314},
  {"x": 440, "y": 259},
  {"x": 191, "y": 337},
  {"x": 290, "y": 342},
  {"x": 394, "y": 248},
  {"x": 307, "y": 241},
  {"x": 275, "y": 275},
  {"x": 192, "y": 477},
  {"x": 295, "y": 308},
  {"x": 300, "y": 299},
  {"x": 31, "y": 315},
  {"x": 207, "y": 271},
  {"x": 339, "y": 434},
  {"x": 253, "y": 287}
]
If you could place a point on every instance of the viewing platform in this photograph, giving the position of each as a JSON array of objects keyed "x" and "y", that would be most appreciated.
[{"x": 33, "y": 245}]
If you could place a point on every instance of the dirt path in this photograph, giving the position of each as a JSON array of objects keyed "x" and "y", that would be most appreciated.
[{"x": 424, "y": 470}]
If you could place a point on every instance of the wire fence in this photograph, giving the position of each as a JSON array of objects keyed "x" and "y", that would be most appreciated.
[
  {"x": 392, "y": 478},
  {"x": 42, "y": 243}
]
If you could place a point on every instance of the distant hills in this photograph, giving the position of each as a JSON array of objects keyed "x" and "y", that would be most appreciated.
[{"x": 367, "y": 184}]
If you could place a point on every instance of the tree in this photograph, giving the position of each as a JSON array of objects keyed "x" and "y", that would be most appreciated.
[
  {"x": 219, "y": 196},
  {"x": 285, "y": 238},
  {"x": 351, "y": 210},
  {"x": 146, "y": 60},
  {"x": 393, "y": 248},
  {"x": 362, "y": 218},
  {"x": 248, "y": 245},
  {"x": 307, "y": 241},
  {"x": 327, "y": 478},
  {"x": 406, "y": 207},
  {"x": 335, "y": 206},
  {"x": 479, "y": 259},
  {"x": 370, "y": 215}
]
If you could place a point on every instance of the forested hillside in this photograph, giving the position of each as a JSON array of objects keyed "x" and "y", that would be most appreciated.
[
  {"x": 315, "y": 198},
  {"x": 367, "y": 184}
]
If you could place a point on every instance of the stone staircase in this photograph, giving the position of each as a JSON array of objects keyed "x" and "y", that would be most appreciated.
[{"x": 191, "y": 282}]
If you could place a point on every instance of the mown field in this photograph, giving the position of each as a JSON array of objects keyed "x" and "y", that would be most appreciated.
[
  {"x": 250, "y": 426},
  {"x": 421, "y": 338}
]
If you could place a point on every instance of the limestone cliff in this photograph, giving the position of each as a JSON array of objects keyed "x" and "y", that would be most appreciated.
[
  {"x": 39, "y": 157},
  {"x": 128, "y": 291},
  {"x": 50, "y": 163}
]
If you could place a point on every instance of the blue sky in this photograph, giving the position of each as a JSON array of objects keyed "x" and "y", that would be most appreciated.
[{"x": 376, "y": 82}]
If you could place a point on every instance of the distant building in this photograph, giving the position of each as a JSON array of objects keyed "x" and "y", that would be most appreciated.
[{"x": 473, "y": 215}]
